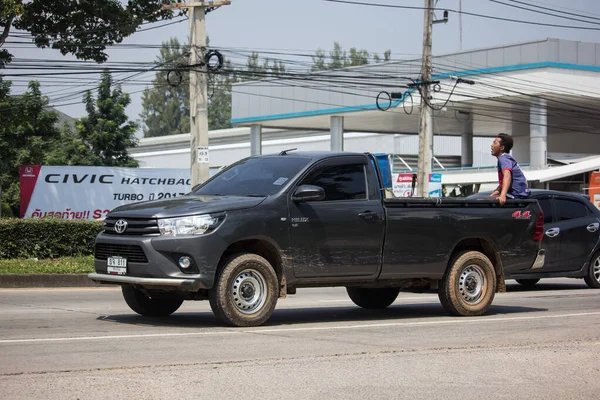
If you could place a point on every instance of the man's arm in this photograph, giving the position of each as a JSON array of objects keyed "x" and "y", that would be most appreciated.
[
  {"x": 506, "y": 180},
  {"x": 496, "y": 191}
]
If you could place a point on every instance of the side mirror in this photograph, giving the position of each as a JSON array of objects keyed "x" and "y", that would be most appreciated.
[{"x": 308, "y": 193}]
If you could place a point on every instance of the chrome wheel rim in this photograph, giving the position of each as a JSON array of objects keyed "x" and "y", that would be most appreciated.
[
  {"x": 597, "y": 269},
  {"x": 471, "y": 284},
  {"x": 249, "y": 291}
]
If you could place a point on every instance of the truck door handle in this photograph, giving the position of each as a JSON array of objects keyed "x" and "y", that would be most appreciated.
[
  {"x": 369, "y": 215},
  {"x": 593, "y": 227},
  {"x": 553, "y": 232}
]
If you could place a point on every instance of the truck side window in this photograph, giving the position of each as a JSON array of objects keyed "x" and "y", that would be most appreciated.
[
  {"x": 569, "y": 209},
  {"x": 341, "y": 182}
]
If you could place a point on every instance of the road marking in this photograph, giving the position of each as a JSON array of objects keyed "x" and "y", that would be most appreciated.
[
  {"x": 235, "y": 331},
  {"x": 59, "y": 289}
]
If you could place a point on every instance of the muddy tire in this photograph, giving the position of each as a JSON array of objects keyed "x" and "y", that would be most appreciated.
[
  {"x": 528, "y": 283},
  {"x": 593, "y": 277},
  {"x": 160, "y": 305},
  {"x": 371, "y": 298},
  {"x": 469, "y": 285},
  {"x": 246, "y": 291}
]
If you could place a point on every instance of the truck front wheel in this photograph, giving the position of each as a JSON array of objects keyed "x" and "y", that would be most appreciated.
[
  {"x": 468, "y": 287},
  {"x": 372, "y": 298},
  {"x": 245, "y": 293},
  {"x": 160, "y": 305}
]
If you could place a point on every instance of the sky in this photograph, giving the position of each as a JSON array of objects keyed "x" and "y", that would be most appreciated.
[{"x": 308, "y": 25}]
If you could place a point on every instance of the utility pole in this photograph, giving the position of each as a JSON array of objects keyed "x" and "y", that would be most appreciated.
[
  {"x": 425, "y": 122},
  {"x": 199, "y": 162},
  {"x": 198, "y": 96}
]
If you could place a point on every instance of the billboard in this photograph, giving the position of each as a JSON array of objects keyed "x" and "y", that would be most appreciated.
[
  {"x": 402, "y": 185},
  {"x": 91, "y": 192}
]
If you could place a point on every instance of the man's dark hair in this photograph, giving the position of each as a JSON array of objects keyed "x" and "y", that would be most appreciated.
[{"x": 507, "y": 141}]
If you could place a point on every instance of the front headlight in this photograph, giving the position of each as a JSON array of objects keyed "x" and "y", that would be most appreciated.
[{"x": 193, "y": 225}]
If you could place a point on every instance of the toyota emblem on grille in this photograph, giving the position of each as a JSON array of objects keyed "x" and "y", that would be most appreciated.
[{"x": 120, "y": 226}]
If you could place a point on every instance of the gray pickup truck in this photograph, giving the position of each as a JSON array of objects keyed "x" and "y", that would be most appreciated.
[{"x": 267, "y": 225}]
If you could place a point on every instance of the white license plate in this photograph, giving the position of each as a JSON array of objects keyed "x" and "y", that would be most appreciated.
[{"x": 117, "y": 266}]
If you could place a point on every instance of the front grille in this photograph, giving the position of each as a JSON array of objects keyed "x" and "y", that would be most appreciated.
[
  {"x": 135, "y": 226},
  {"x": 133, "y": 253}
]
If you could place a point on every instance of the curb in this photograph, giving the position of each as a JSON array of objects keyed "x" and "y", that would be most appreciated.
[{"x": 46, "y": 281}]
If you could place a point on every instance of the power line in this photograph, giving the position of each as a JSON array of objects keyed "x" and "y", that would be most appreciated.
[
  {"x": 541, "y": 12},
  {"x": 554, "y": 9},
  {"x": 466, "y": 13}
]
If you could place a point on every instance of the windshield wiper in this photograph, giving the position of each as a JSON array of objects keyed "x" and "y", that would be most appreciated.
[{"x": 254, "y": 195}]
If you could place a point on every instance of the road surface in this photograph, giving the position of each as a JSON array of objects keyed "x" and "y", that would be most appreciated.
[{"x": 87, "y": 344}]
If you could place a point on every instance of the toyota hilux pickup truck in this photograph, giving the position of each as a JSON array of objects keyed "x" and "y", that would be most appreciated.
[{"x": 269, "y": 224}]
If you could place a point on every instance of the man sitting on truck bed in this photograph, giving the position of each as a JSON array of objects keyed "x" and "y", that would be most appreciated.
[{"x": 511, "y": 180}]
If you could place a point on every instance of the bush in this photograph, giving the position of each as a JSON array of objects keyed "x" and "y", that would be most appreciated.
[
  {"x": 47, "y": 238},
  {"x": 6, "y": 211}
]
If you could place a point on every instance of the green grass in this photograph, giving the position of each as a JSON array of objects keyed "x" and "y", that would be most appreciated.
[{"x": 65, "y": 265}]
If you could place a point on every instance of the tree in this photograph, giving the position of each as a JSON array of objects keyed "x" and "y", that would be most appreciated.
[
  {"x": 103, "y": 136},
  {"x": 27, "y": 131},
  {"x": 80, "y": 27},
  {"x": 339, "y": 58},
  {"x": 166, "y": 107},
  {"x": 255, "y": 70},
  {"x": 106, "y": 131},
  {"x": 219, "y": 102}
]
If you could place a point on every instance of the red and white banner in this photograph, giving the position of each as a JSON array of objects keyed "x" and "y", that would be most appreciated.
[{"x": 91, "y": 192}]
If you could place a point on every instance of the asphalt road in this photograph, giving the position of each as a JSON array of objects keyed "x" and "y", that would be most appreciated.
[{"x": 87, "y": 344}]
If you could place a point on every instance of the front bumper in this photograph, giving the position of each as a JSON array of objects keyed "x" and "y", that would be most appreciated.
[
  {"x": 154, "y": 261},
  {"x": 186, "y": 284}
]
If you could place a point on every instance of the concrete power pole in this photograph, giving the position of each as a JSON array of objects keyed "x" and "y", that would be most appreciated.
[
  {"x": 198, "y": 96},
  {"x": 199, "y": 163},
  {"x": 426, "y": 122}
]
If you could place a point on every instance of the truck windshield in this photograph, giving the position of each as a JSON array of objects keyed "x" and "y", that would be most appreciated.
[{"x": 263, "y": 176}]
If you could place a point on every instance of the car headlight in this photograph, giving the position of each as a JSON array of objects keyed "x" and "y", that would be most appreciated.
[{"x": 192, "y": 225}]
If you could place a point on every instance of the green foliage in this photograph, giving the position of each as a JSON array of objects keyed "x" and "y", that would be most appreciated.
[
  {"x": 80, "y": 27},
  {"x": 103, "y": 136},
  {"x": 166, "y": 108},
  {"x": 47, "y": 238},
  {"x": 64, "y": 265},
  {"x": 27, "y": 133},
  {"x": 6, "y": 211},
  {"x": 256, "y": 70},
  {"x": 339, "y": 58},
  {"x": 219, "y": 101}
]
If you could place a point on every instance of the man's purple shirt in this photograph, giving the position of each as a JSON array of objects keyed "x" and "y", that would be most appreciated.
[{"x": 518, "y": 185}]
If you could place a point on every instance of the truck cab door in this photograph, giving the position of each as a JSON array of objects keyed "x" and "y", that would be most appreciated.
[{"x": 342, "y": 233}]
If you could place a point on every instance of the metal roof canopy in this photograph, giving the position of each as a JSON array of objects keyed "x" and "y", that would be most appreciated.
[
  {"x": 533, "y": 175},
  {"x": 528, "y": 67}
]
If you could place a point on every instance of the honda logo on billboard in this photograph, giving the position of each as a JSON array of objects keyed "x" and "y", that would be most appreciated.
[{"x": 28, "y": 172}]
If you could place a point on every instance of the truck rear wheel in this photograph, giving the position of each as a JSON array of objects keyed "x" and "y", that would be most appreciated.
[
  {"x": 372, "y": 298},
  {"x": 160, "y": 305},
  {"x": 469, "y": 285},
  {"x": 246, "y": 291}
]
